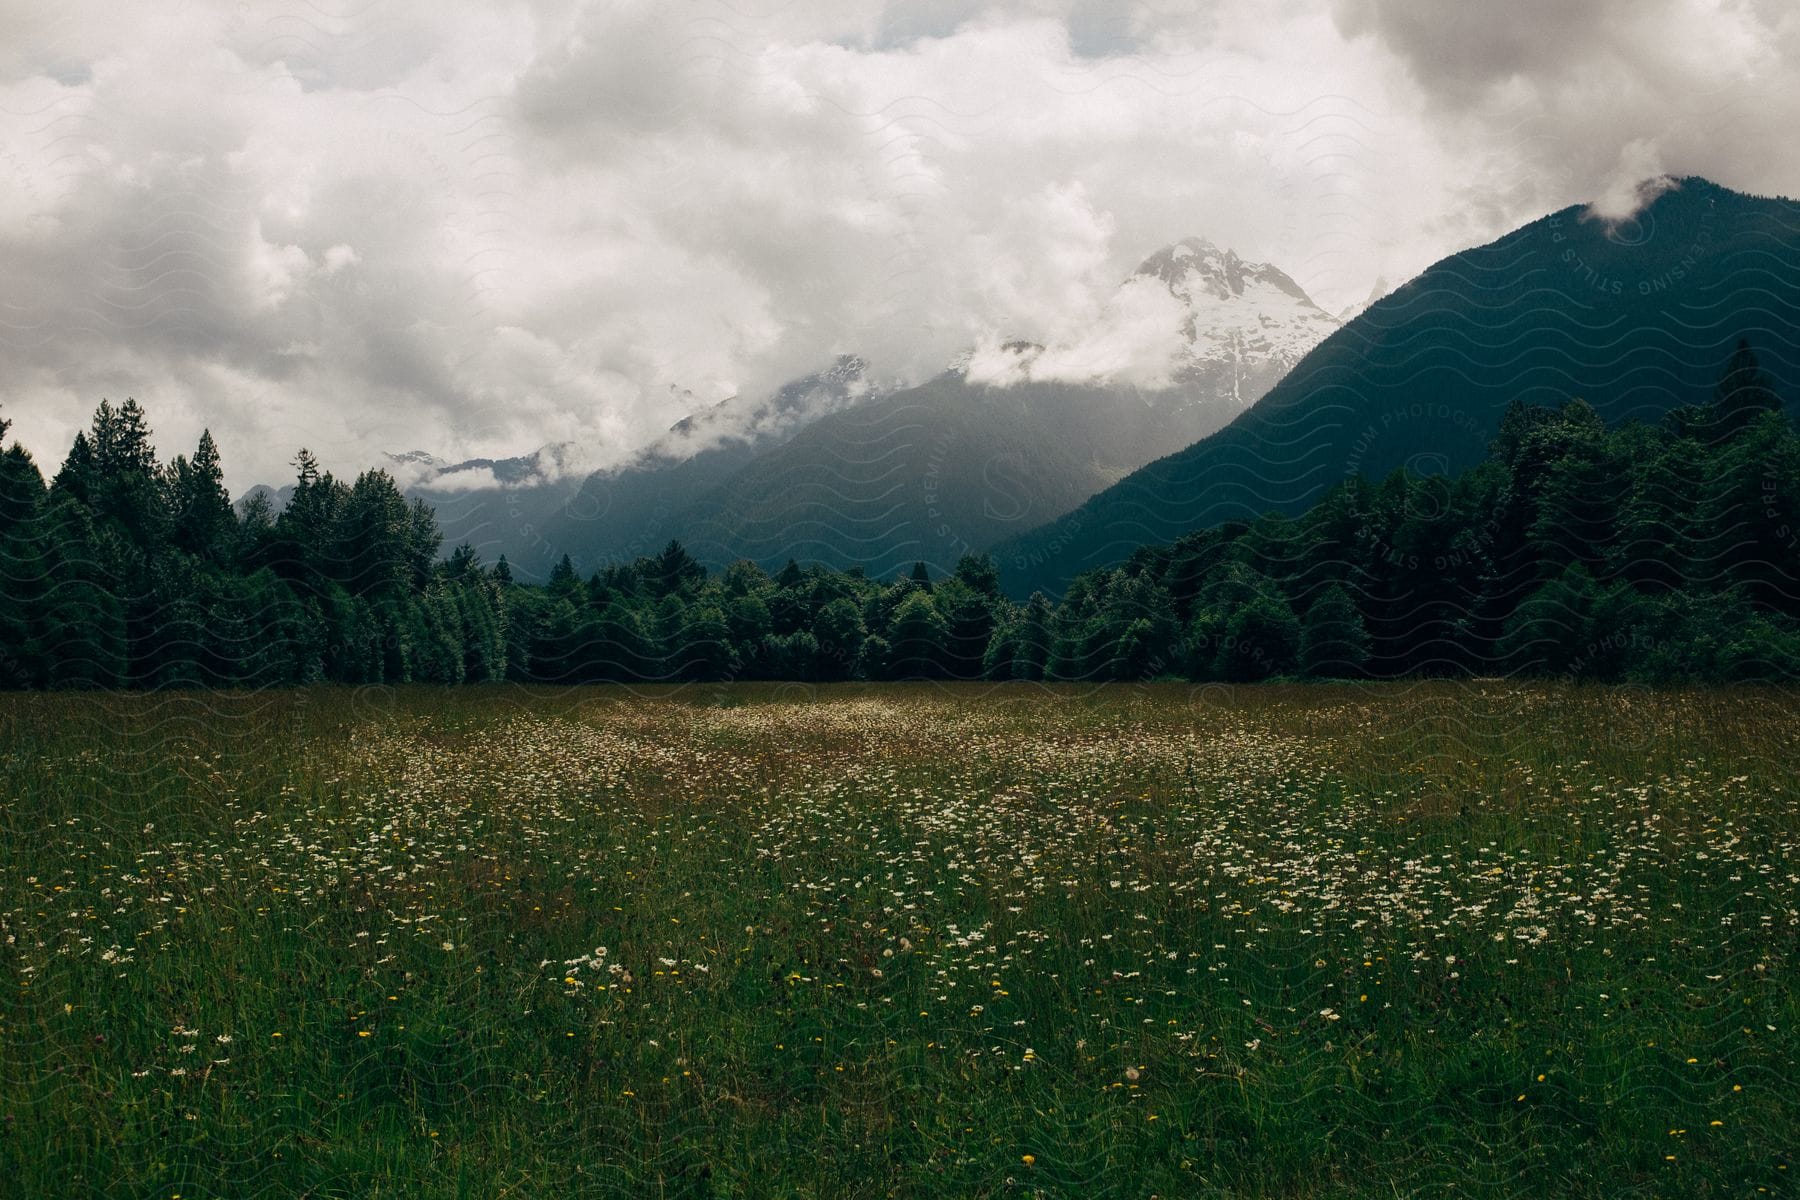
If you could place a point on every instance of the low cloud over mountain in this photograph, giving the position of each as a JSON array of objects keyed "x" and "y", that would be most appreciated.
[{"x": 485, "y": 230}]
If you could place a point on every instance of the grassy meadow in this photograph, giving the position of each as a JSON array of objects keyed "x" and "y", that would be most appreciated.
[{"x": 901, "y": 940}]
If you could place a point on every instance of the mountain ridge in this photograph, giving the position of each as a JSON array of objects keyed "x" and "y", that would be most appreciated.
[
  {"x": 1634, "y": 315},
  {"x": 1011, "y": 433}
]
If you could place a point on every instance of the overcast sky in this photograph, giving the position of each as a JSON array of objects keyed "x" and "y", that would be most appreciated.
[{"x": 368, "y": 225}]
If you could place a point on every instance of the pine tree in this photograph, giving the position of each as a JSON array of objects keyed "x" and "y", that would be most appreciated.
[
  {"x": 200, "y": 513},
  {"x": 23, "y": 567},
  {"x": 674, "y": 571},
  {"x": 76, "y": 477},
  {"x": 562, "y": 578},
  {"x": 370, "y": 539},
  {"x": 127, "y": 492},
  {"x": 463, "y": 563},
  {"x": 83, "y": 619}
]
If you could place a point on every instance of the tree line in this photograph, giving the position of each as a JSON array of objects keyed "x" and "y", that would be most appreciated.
[
  {"x": 1656, "y": 551},
  {"x": 125, "y": 572}
]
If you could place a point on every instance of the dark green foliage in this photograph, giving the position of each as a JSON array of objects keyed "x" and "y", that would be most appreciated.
[
  {"x": 1644, "y": 553},
  {"x": 840, "y": 634},
  {"x": 1262, "y": 639},
  {"x": 23, "y": 569},
  {"x": 200, "y": 514},
  {"x": 1549, "y": 633},
  {"x": 1745, "y": 391},
  {"x": 1661, "y": 553},
  {"x": 127, "y": 573},
  {"x": 916, "y": 638},
  {"x": 1333, "y": 641}
]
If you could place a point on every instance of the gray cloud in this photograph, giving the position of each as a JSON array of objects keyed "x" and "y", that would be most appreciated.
[
  {"x": 476, "y": 230},
  {"x": 1578, "y": 100}
]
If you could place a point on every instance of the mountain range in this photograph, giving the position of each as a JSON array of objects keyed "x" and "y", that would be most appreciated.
[
  {"x": 635, "y": 508},
  {"x": 1010, "y": 436},
  {"x": 836, "y": 469},
  {"x": 1060, "y": 459},
  {"x": 1636, "y": 316}
]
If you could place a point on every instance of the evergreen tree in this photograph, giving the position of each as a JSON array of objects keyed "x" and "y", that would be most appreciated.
[
  {"x": 255, "y": 534},
  {"x": 1551, "y": 631},
  {"x": 200, "y": 513},
  {"x": 978, "y": 573},
  {"x": 23, "y": 569},
  {"x": 969, "y": 625},
  {"x": 1262, "y": 638},
  {"x": 840, "y": 634},
  {"x": 463, "y": 564},
  {"x": 1032, "y": 652},
  {"x": 872, "y": 659},
  {"x": 563, "y": 581},
  {"x": 83, "y": 620},
  {"x": 999, "y": 660},
  {"x": 674, "y": 571},
  {"x": 705, "y": 651},
  {"x": 621, "y": 648},
  {"x": 916, "y": 639},
  {"x": 371, "y": 539},
  {"x": 76, "y": 477},
  {"x": 127, "y": 494},
  {"x": 1333, "y": 640}
]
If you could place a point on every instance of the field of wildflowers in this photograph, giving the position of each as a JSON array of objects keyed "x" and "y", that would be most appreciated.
[{"x": 909, "y": 940}]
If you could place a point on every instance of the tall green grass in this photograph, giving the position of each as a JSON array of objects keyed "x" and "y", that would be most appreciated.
[{"x": 1481, "y": 939}]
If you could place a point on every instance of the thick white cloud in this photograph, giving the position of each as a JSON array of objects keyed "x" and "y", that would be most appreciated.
[{"x": 476, "y": 230}]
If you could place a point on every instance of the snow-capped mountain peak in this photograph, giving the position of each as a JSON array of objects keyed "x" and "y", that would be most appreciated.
[
  {"x": 418, "y": 461},
  {"x": 765, "y": 418},
  {"x": 1238, "y": 311},
  {"x": 1196, "y": 266},
  {"x": 1193, "y": 316}
]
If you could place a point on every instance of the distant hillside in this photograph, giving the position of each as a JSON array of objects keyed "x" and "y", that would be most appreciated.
[
  {"x": 633, "y": 509},
  {"x": 1635, "y": 318},
  {"x": 537, "y": 507},
  {"x": 1004, "y": 441}
]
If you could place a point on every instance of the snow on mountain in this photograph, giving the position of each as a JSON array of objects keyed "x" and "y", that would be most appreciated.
[
  {"x": 1236, "y": 311},
  {"x": 634, "y": 507},
  {"x": 752, "y": 420},
  {"x": 1192, "y": 316},
  {"x": 543, "y": 467}
]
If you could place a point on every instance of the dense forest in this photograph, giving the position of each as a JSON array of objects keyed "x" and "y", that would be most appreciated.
[{"x": 1659, "y": 553}]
